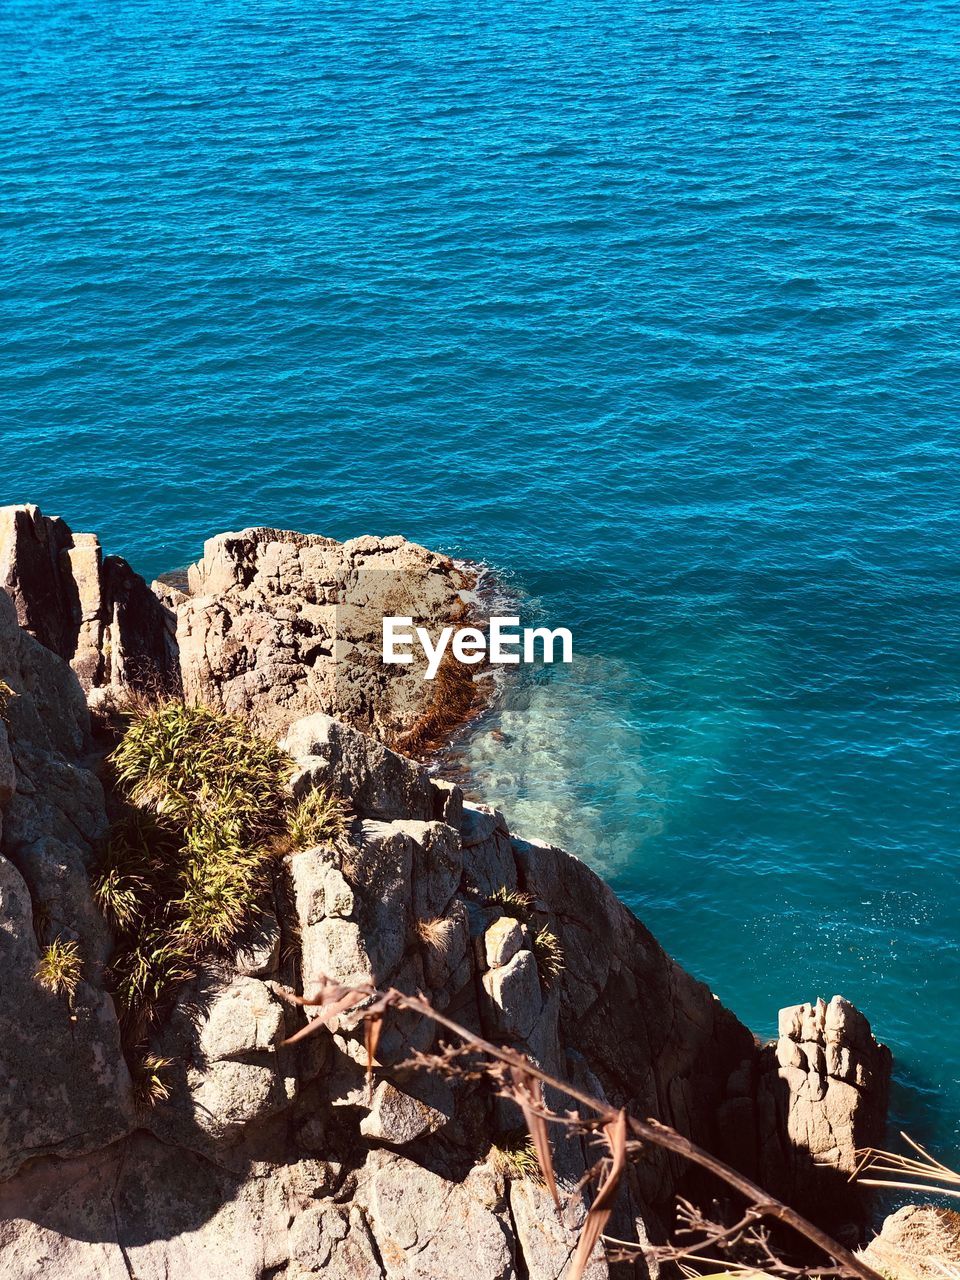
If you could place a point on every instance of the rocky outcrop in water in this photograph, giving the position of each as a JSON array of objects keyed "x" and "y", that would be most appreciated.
[
  {"x": 268, "y": 625},
  {"x": 822, "y": 1098},
  {"x": 272, "y": 1161},
  {"x": 276, "y": 624}
]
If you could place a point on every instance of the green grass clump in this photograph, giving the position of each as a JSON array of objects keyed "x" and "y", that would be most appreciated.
[
  {"x": 146, "y": 969},
  {"x": 204, "y": 812},
  {"x": 192, "y": 764},
  {"x": 223, "y": 877},
  {"x": 548, "y": 954},
  {"x": 188, "y": 860},
  {"x": 134, "y": 868},
  {"x": 515, "y": 1156},
  {"x": 320, "y": 818},
  {"x": 60, "y": 967},
  {"x": 512, "y": 902}
]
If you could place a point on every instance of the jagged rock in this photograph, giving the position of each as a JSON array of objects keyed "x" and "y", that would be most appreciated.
[
  {"x": 222, "y": 1039},
  {"x": 428, "y": 1228},
  {"x": 398, "y": 1118},
  {"x": 244, "y": 1018},
  {"x": 437, "y": 866},
  {"x": 448, "y": 802},
  {"x": 53, "y": 814},
  {"x": 445, "y": 941},
  {"x": 330, "y": 941},
  {"x": 547, "y": 1236},
  {"x": 333, "y": 1241},
  {"x": 822, "y": 1097},
  {"x": 515, "y": 995},
  {"x": 143, "y": 1208},
  {"x": 378, "y": 782},
  {"x": 918, "y": 1242},
  {"x": 259, "y": 954},
  {"x": 491, "y": 863},
  {"x": 279, "y": 624},
  {"x": 94, "y": 612},
  {"x": 502, "y": 940}
]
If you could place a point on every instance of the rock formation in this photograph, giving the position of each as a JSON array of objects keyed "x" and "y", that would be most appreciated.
[
  {"x": 917, "y": 1243},
  {"x": 272, "y": 1161},
  {"x": 275, "y": 624},
  {"x": 93, "y": 611}
]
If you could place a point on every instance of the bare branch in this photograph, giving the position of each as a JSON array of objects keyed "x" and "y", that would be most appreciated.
[{"x": 609, "y": 1118}]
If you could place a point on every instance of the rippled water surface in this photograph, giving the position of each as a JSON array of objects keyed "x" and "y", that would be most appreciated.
[{"x": 652, "y": 306}]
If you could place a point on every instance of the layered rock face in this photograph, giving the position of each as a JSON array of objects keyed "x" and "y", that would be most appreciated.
[
  {"x": 93, "y": 611},
  {"x": 64, "y": 1085},
  {"x": 273, "y": 1161}
]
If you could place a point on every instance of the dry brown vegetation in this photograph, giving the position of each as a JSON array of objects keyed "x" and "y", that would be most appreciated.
[
  {"x": 917, "y": 1171},
  {"x": 454, "y": 699},
  {"x": 465, "y": 1054}
]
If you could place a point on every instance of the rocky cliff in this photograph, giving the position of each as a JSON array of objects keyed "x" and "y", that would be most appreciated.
[{"x": 269, "y": 1160}]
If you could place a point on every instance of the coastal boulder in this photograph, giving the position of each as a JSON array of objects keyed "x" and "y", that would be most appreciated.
[{"x": 276, "y": 625}]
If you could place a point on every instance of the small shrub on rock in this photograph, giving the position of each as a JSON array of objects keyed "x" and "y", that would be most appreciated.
[
  {"x": 60, "y": 967},
  {"x": 320, "y": 818}
]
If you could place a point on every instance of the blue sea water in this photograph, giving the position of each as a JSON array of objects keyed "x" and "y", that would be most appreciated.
[{"x": 653, "y": 307}]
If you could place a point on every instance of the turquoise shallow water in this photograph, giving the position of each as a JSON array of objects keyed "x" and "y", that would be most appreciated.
[{"x": 653, "y": 307}]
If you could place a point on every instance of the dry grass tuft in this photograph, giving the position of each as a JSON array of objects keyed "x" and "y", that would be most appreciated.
[
  {"x": 514, "y": 1156},
  {"x": 513, "y": 902},
  {"x": 436, "y": 934},
  {"x": 60, "y": 967},
  {"x": 548, "y": 954},
  {"x": 150, "y": 1084}
]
